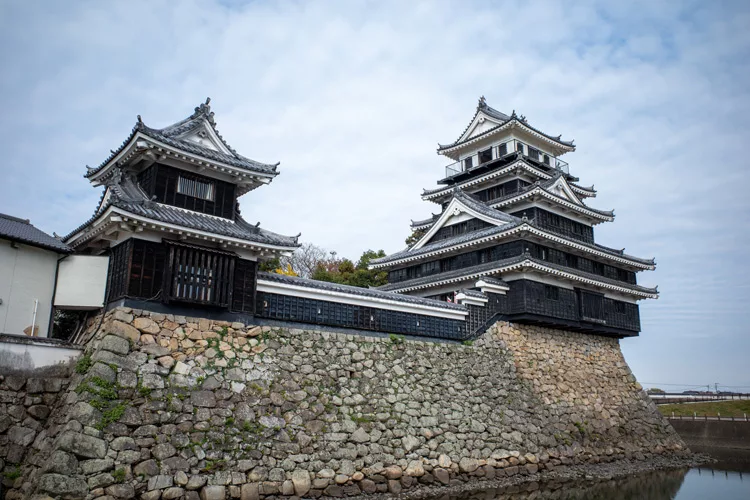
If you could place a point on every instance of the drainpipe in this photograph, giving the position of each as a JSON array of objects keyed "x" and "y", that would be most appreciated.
[{"x": 33, "y": 317}]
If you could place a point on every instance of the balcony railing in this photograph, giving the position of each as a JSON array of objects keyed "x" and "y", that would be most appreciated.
[{"x": 501, "y": 151}]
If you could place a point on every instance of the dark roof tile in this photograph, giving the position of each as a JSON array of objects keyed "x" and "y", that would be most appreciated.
[
  {"x": 127, "y": 196},
  {"x": 21, "y": 230},
  {"x": 489, "y": 266},
  {"x": 485, "y": 108},
  {"x": 168, "y": 135}
]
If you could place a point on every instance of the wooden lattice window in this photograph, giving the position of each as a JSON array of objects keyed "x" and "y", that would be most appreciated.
[
  {"x": 200, "y": 275},
  {"x": 195, "y": 188}
]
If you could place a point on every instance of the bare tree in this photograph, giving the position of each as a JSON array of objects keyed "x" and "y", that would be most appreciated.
[{"x": 305, "y": 259}]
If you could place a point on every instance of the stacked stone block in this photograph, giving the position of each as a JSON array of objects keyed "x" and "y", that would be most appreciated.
[
  {"x": 171, "y": 407},
  {"x": 25, "y": 406}
]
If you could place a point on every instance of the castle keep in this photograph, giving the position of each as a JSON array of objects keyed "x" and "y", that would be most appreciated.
[{"x": 514, "y": 238}]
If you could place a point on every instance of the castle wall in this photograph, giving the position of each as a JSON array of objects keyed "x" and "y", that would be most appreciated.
[{"x": 174, "y": 407}]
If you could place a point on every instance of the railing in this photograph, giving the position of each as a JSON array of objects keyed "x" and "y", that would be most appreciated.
[
  {"x": 493, "y": 153},
  {"x": 718, "y": 416},
  {"x": 665, "y": 398}
]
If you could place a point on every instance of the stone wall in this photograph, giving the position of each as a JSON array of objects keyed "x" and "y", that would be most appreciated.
[
  {"x": 25, "y": 406},
  {"x": 173, "y": 407}
]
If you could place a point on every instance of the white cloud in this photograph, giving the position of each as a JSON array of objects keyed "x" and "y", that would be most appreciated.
[{"x": 352, "y": 98}]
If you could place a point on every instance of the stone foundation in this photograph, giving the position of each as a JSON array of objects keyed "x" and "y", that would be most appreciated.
[
  {"x": 173, "y": 407},
  {"x": 25, "y": 406}
]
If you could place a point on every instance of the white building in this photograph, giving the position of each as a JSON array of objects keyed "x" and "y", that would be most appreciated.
[{"x": 28, "y": 268}]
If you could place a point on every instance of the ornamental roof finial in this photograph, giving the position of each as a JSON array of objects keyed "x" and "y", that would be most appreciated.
[
  {"x": 139, "y": 119},
  {"x": 205, "y": 109},
  {"x": 482, "y": 102}
]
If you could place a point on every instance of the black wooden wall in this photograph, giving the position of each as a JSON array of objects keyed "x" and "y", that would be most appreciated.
[
  {"x": 512, "y": 249},
  {"x": 161, "y": 181},
  {"x": 558, "y": 224},
  {"x": 318, "y": 312}
]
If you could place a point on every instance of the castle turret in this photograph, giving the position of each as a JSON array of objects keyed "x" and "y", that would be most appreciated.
[{"x": 169, "y": 218}]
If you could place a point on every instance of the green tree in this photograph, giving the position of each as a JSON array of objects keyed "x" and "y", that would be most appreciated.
[
  {"x": 415, "y": 236},
  {"x": 270, "y": 265},
  {"x": 345, "y": 272}
]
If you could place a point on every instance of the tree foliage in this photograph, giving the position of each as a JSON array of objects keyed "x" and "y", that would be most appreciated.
[
  {"x": 314, "y": 262},
  {"x": 305, "y": 259},
  {"x": 345, "y": 272},
  {"x": 415, "y": 236}
]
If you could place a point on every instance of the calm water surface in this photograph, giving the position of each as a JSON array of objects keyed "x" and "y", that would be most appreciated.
[{"x": 684, "y": 484}]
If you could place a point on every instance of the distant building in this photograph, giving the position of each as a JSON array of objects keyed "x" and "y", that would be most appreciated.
[
  {"x": 514, "y": 239},
  {"x": 169, "y": 219},
  {"x": 28, "y": 269}
]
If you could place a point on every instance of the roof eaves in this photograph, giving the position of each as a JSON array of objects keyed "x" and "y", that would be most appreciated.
[
  {"x": 503, "y": 265},
  {"x": 498, "y": 232},
  {"x": 363, "y": 292},
  {"x": 22, "y": 231},
  {"x": 513, "y": 118}
]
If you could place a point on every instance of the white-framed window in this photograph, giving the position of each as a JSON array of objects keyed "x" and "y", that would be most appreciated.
[{"x": 196, "y": 189}]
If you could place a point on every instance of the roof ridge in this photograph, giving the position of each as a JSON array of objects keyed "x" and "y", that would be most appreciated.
[
  {"x": 168, "y": 134},
  {"x": 538, "y": 184},
  {"x": 22, "y": 230},
  {"x": 483, "y": 106},
  {"x": 16, "y": 219}
]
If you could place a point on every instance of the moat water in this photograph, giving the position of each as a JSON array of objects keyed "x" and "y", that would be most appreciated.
[
  {"x": 729, "y": 479},
  {"x": 684, "y": 484}
]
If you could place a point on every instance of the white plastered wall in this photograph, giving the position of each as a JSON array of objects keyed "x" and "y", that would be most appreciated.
[
  {"x": 26, "y": 274},
  {"x": 81, "y": 282}
]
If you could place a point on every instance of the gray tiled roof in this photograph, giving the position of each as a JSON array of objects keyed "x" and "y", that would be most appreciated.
[
  {"x": 417, "y": 223},
  {"x": 484, "y": 107},
  {"x": 456, "y": 273},
  {"x": 479, "y": 206},
  {"x": 488, "y": 266},
  {"x": 127, "y": 196},
  {"x": 544, "y": 186},
  {"x": 473, "y": 293},
  {"x": 493, "y": 281},
  {"x": 168, "y": 135},
  {"x": 448, "y": 242},
  {"x": 353, "y": 290},
  {"x": 21, "y": 230},
  {"x": 482, "y": 233},
  {"x": 471, "y": 201}
]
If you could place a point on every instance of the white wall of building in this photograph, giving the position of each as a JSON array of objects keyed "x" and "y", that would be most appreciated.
[
  {"x": 27, "y": 274},
  {"x": 81, "y": 282},
  {"x": 31, "y": 354}
]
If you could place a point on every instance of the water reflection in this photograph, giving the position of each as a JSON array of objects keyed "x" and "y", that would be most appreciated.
[{"x": 680, "y": 484}]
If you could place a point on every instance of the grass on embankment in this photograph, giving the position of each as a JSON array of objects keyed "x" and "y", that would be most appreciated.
[{"x": 712, "y": 408}]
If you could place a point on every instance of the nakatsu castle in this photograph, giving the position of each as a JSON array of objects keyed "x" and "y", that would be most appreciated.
[{"x": 514, "y": 238}]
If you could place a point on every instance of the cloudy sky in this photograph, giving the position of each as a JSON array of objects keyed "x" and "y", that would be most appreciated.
[{"x": 352, "y": 98}]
